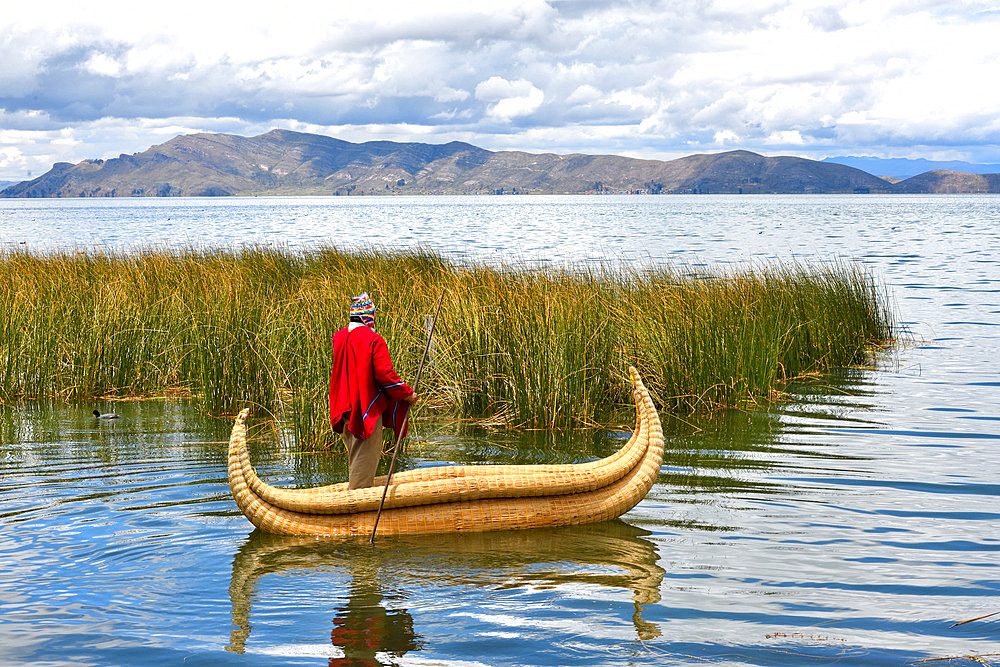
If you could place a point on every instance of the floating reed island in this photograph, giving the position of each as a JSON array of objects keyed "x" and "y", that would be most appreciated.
[{"x": 518, "y": 345}]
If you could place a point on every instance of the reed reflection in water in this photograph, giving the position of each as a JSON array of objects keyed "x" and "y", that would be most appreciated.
[
  {"x": 373, "y": 626},
  {"x": 762, "y": 535}
]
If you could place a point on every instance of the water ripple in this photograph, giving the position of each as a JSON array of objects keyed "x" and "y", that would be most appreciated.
[{"x": 852, "y": 525}]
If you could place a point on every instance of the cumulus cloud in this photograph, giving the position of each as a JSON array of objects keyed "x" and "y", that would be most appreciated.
[
  {"x": 510, "y": 98},
  {"x": 785, "y": 138},
  {"x": 103, "y": 64},
  {"x": 11, "y": 157},
  {"x": 584, "y": 94},
  {"x": 642, "y": 77},
  {"x": 723, "y": 137}
]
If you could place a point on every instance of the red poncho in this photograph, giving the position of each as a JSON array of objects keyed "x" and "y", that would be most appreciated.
[{"x": 364, "y": 385}]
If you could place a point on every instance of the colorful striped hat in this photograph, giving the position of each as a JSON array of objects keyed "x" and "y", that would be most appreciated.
[{"x": 362, "y": 307}]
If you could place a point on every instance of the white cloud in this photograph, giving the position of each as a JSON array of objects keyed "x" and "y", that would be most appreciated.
[
  {"x": 497, "y": 88},
  {"x": 451, "y": 95},
  {"x": 785, "y": 138},
  {"x": 11, "y": 157},
  {"x": 511, "y": 98},
  {"x": 512, "y": 107},
  {"x": 725, "y": 136},
  {"x": 642, "y": 77},
  {"x": 103, "y": 64},
  {"x": 585, "y": 94},
  {"x": 632, "y": 100}
]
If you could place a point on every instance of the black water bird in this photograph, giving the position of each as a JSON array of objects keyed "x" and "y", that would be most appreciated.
[{"x": 107, "y": 415}]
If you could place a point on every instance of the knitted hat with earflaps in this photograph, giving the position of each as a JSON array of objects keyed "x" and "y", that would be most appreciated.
[{"x": 362, "y": 307}]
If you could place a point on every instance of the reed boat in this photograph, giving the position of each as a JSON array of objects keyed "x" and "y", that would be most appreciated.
[{"x": 465, "y": 498}]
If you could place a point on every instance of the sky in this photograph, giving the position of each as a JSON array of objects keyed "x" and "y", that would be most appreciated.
[{"x": 813, "y": 78}]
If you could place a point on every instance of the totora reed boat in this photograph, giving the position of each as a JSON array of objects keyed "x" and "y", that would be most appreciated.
[{"x": 460, "y": 498}]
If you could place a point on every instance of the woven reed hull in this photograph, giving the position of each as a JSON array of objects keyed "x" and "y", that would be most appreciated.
[
  {"x": 472, "y": 498},
  {"x": 428, "y": 486}
]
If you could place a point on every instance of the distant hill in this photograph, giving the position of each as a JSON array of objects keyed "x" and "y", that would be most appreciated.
[
  {"x": 950, "y": 182},
  {"x": 278, "y": 162},
  {"x": 281, "y": 162},
  {"x": 902, "y": 168}
]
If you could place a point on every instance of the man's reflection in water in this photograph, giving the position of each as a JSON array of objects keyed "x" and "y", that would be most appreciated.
[
  {"x": 364, "y": 629},
  {"x": 371, "y": 628}
]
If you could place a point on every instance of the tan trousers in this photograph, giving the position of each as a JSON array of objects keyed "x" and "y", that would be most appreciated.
[{"x": 363, "y": 457}]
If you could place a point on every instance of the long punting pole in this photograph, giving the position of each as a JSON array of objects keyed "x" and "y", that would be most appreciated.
[{"x": 406, "y": 419}]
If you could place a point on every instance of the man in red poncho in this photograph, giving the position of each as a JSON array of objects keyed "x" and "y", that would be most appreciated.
[{"x": 365, "y": 392}]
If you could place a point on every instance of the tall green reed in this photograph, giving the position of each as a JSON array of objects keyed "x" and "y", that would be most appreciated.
[
  {"x": 724, "y": 340},
  {"x": 533, "y": 348},
  {"x": 516, "y": 345}
]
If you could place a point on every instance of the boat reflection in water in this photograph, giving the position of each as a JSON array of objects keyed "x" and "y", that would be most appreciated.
[{"x": 371, "y": 621}]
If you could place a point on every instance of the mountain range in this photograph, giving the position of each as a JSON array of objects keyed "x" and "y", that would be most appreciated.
[
  {"x": 903, "y": 168},
  {"x": 283, "y": 162}
]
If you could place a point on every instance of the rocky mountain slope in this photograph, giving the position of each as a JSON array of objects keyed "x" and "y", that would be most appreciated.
[
  {"x": 950, "y": 182},
  {"x": 284, "y": 162}
]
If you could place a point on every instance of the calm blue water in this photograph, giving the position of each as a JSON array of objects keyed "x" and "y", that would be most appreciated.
[{"x": 853, "y": 525}]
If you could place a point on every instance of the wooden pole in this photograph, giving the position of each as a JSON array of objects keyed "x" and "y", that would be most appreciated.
[{"x": 406, "y": 419}]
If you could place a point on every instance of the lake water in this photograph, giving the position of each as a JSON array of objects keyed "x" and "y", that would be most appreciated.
[{"x": 855, "y": 524}]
